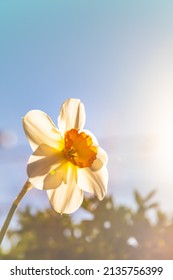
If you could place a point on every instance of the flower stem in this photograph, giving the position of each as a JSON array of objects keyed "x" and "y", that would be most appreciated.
[{"x": 27, "y": 186}]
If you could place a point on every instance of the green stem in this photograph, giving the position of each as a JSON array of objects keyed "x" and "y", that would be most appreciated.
[{"x": 27, "y": 186}]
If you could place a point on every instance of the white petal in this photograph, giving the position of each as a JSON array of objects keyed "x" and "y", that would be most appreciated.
[
  {"x": 93, "y": 182},
  {"x": 46, "y": 172},
  {"x": 55, "y": 178},
  {"x": 72, "y": 115},
  {"x": 39, "y": 129},
  {"x": 68, "y": 197},
  {"x": 100, "y": 160},
  {"x": 51, "y": 180}
]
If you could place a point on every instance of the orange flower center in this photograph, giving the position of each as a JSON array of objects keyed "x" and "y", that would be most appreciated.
[{"x": 79, "y": 149}]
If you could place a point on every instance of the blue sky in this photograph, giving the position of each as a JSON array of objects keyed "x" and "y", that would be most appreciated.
[{"x": 116, "y": 56}]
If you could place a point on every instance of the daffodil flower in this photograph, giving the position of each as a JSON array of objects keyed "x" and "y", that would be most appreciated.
[{"x": 66, "y": 161}]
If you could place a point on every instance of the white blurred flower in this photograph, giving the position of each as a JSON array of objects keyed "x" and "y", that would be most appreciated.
[
  {"x": 65, "y": 161},
  {"x": 8, "y": 138}
]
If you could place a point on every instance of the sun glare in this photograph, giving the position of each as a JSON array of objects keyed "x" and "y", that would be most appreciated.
[{"x": 164, "y": 152}]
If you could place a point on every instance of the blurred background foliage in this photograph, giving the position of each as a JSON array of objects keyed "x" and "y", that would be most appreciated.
[{"x": 113, "y": 232}]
